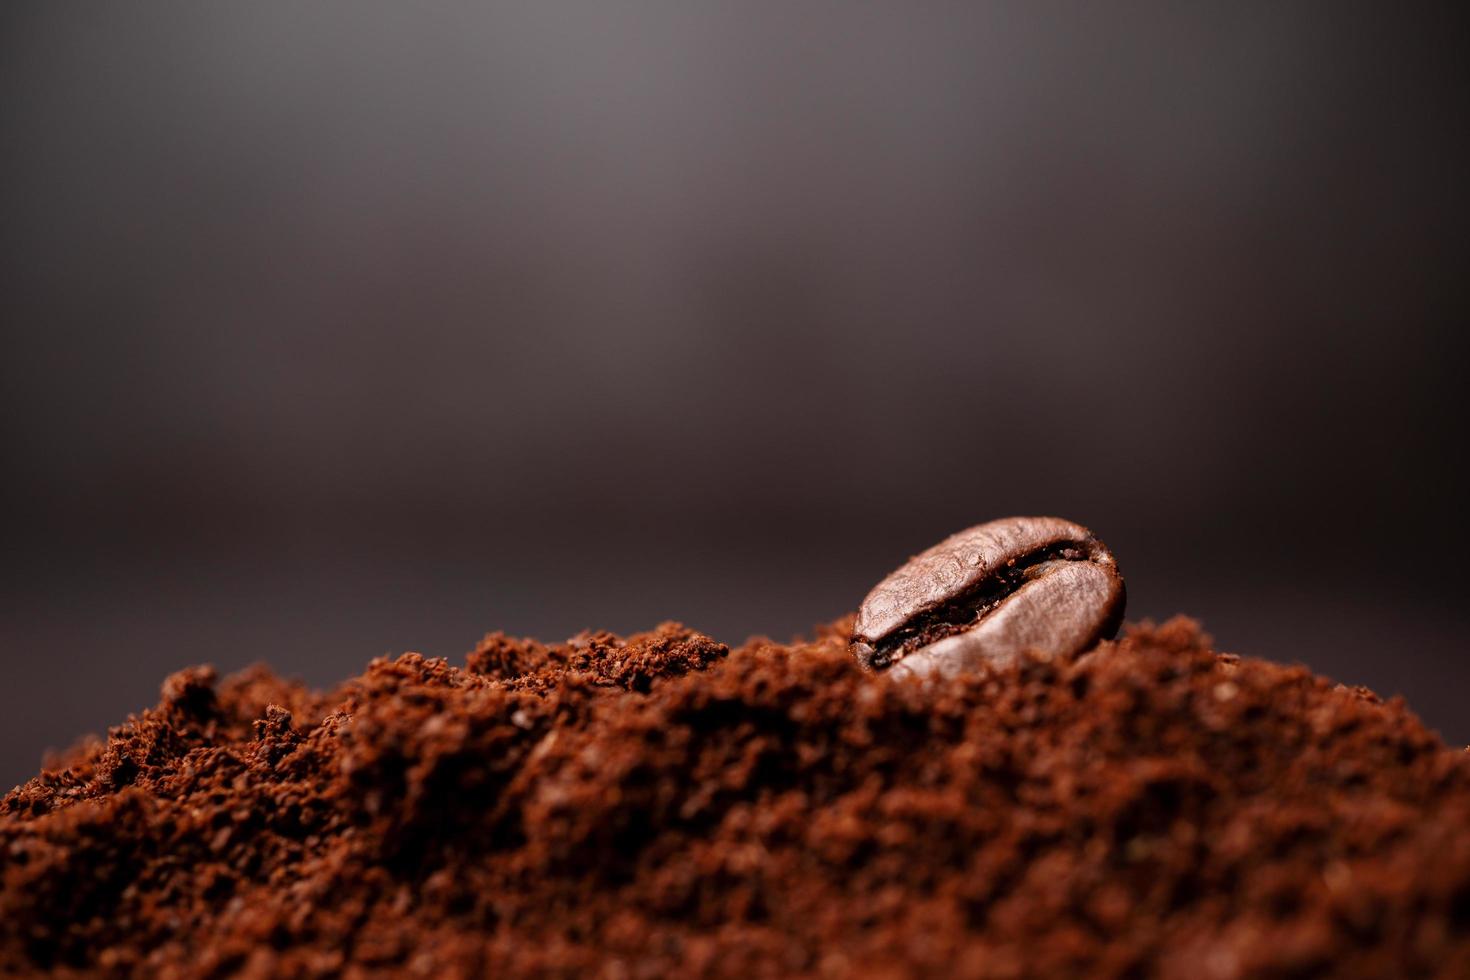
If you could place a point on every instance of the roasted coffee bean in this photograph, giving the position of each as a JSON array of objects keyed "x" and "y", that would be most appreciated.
[{"x": 989, "y": 593}]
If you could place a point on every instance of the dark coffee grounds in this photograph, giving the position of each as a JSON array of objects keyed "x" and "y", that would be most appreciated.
[{"x": 655, "y": 806}]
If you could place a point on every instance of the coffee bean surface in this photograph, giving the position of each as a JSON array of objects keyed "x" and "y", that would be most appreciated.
[{"x": 989, "y": 593}]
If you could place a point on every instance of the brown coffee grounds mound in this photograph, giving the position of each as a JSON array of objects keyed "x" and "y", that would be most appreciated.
[{"x": 659, "y": 806}]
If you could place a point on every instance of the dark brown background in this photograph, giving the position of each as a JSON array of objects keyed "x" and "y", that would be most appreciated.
[{"x": 335, "y": 334}]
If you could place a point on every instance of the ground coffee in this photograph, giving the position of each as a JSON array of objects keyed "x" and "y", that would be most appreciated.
[{"x": 662, "y": 806}]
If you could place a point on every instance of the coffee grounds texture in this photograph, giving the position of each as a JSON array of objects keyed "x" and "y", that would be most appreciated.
[{"x": 662, "y": 806}]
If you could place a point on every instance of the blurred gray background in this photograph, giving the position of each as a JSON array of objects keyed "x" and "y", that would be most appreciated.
[{"x": 336, "y": 330}]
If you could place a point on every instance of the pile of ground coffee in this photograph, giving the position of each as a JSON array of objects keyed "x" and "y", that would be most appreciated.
[{"x": 663, "y": 806}]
